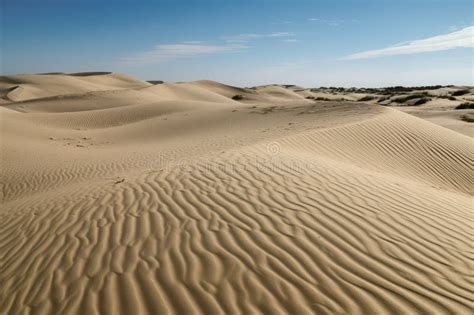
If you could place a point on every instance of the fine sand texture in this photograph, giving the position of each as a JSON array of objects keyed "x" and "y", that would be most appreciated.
[{"x": 124, "y": 197}]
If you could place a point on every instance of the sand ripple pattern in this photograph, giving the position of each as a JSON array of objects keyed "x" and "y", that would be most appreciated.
[
  {"x": 122, "y": 197},
  {"x": 242, "y": 236}
]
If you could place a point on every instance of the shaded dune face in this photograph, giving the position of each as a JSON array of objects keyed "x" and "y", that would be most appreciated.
[{"x": 176, "y": 199}]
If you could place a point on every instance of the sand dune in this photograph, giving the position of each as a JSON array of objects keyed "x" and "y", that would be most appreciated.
[
  {"x": 28, "y": 86},
  {"x": 122, "y": 197}
]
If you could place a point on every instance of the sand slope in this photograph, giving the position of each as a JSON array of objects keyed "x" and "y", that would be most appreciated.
[
  {"x": 30, "y": 86},
  {"x": 176, "y": 199}
]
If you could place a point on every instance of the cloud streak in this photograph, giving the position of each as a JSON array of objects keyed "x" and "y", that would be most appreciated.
[
  {"x": 459, "y": 39},
  {"x": 188, "y": 49},
  {"x": 330, "y": 22},
  {"x": 252, "y": 36},
  {"x": 180, "y": 50}
]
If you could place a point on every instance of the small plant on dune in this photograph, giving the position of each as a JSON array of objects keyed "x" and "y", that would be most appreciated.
[
  {"x": 330, "y": 99},
  {"x": 421, "y": 101},
  {"x": 399, "y": 89},
  {"x": 403, "y": 99},
  {"x": 309, "y": 97},
  {"x": 460, "y": 92},
  {"x": 237, "y": 97},
  {"x": 367, "y": 98},
  {"x": 383, "y": 99},
  {"x": 155, "y": 82},
  {"x": 447, "y": 97},
  {"x": 465, "y": 105},
  {"x": 467, "y": 118}
]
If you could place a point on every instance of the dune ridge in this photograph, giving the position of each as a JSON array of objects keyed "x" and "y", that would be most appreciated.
[{"x": 177, "y": 199}]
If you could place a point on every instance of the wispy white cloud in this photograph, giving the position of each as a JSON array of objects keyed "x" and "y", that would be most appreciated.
[
  {"x": 459, "y": 39},
  {"x": 296, "y": 63},
  {"x": 290, "y": 40},
  {"x": 281, "y": 22},
  {"x": 188, "y": 49},
  {"x": 192, "y": 42},
  {"x": 329, "y": 22},
  {"x": 280, "y": 34},
  {"x": 180, "y": 50},
  {"x": 253, "y": 36}
]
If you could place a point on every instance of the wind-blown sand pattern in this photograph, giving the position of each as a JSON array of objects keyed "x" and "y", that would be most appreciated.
[{"x": 123, "y": 197}]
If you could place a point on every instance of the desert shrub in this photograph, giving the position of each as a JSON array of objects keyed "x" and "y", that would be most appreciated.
[
  {"x": 421, "y": 101},
  {"x": 369, "y": 91},
  {"x": 403, "y": 99},
  {"x": 465, "y": 105},
  {"x": 448, "y": 97},
  {"x": 460, "y": 92},
  {"x": 398, "y": 89},
  {"x": 467, "y": 118},
  {"x": 309, "y": 97},
  {"x": 330, "y": 99},
  {"x": 367, "y": 98},
  {"x": 237, "y": 97}
]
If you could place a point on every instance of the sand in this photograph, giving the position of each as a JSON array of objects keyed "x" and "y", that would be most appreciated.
[{"x": 124, "y": 197}]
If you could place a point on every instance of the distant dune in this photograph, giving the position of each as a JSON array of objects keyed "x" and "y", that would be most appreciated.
[{"x": 121, "y": 196}]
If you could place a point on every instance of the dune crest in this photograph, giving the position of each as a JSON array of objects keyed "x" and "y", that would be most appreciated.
[{"x": 124, "y": 197}]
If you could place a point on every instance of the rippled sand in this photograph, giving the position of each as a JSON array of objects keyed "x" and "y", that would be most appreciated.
[{"x": 123, "y": 197}]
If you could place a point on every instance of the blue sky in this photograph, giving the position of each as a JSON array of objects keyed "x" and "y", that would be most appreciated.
[{"x": 249, "y": 42}]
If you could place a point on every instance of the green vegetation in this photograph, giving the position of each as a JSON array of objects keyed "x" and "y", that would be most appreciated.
[
  {"x": 421, "y": 101},
  {"x": 398, "y": 89},
  {"x": 467, "y": 118},
  {"x": 460, "y": 92},
  {"x": 383, "y": 99},
  {"x": 448, "y": 97},
  {"x": 403, "y": 99},
  {"x": 465, "y": 105},
  {"x": 367, "y": 98},
  {"x": 237, "y": 97},
  {"x": 384, "y": 90},
  {"x": 155, "y": 82}
]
